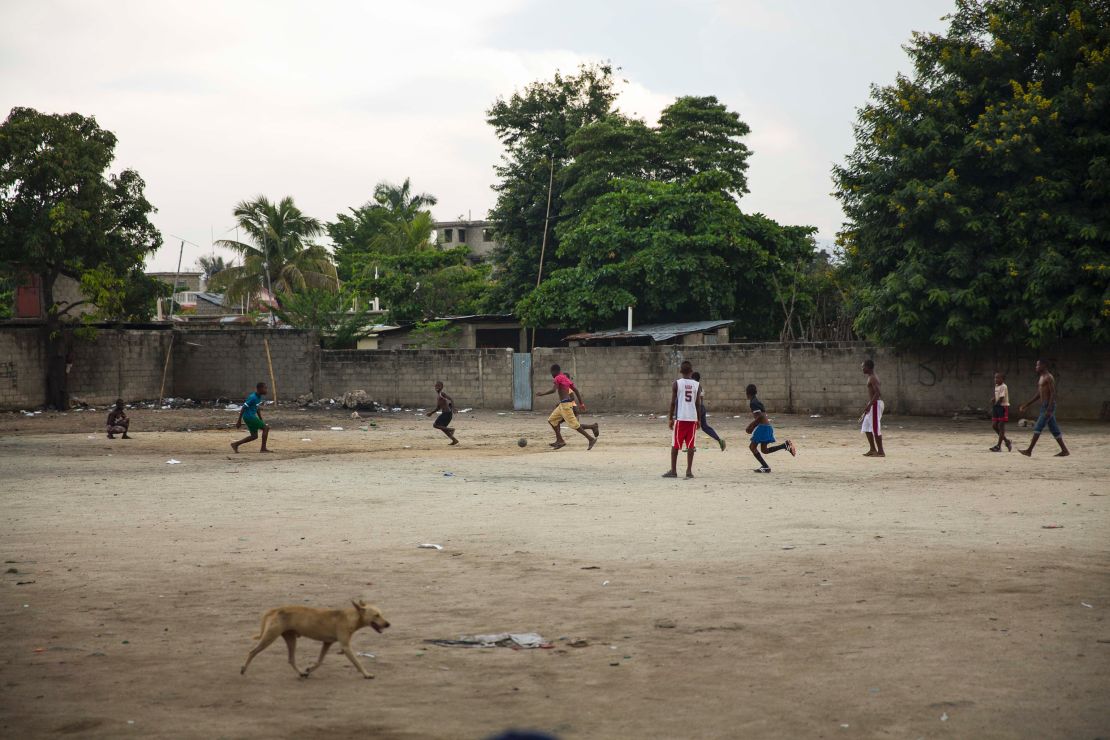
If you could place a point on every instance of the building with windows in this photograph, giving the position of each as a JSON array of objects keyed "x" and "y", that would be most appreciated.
[{"x": 477, "y": 235}]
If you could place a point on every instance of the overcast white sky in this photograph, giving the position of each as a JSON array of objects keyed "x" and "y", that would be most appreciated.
[{"x": 216, "y": 101}]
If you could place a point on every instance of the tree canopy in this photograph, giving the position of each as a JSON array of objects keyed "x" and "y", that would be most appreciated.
[
  {"x": 535, "y": 126},
  {"x": 63, "y": 213},
  {"x": 978, "y": 193},
  {"x": 643, "y": 215},
  {"x": 386, "y": 249}
]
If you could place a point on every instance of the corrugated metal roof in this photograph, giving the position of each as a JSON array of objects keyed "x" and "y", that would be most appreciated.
[
  {"x": 654, "y": 332},
  {"x": 214, "y": 298}
]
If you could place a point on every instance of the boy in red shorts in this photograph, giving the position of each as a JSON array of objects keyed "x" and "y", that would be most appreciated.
[{"x": 683, "y": 418}]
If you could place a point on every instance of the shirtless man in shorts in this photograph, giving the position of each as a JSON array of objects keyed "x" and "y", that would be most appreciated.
[
  {"x": 1046, "y": 394},
  {"x": 871, "y": 419},
  {"x": 445, "y": 405}
]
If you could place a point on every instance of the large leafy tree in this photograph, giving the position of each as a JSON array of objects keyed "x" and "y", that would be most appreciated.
[
  {"x": 63, "y": 213},
  {"x": 978, "y": 193},
  {"x": 280, "y": 252},
  {"x": 535, "y": 126},
  {"x": 673, "y": 250}
]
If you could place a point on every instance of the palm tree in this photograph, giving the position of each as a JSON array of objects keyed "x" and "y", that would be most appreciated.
[
  {"x": 400, "y": 200},
  {"x": 211, "y": 265},
  {"x": 280, "y": 258},
  {"x": 410, "y": 235}
]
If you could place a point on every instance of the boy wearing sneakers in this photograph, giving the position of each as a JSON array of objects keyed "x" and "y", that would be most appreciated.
[{"x": 763, "y": 433}]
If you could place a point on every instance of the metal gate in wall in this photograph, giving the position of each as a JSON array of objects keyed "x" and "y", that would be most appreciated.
[{"x": 522, "y": 381}]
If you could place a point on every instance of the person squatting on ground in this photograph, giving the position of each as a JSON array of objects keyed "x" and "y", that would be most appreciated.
[
  {"x": 683, "y": 419},
  {"x": 251, "y": 414},
  {"x": 564, "y": 411},
  {"x": 702, "y": 415},
  {"x": 445, "y": 405},
  {"x": 872, "y": 417},
  {"x": 763, "y": 433},
  {"x": 1046, "y": 392},
  {"x": 1000, "y": 412},
  {"x": 118, "y": 423}
]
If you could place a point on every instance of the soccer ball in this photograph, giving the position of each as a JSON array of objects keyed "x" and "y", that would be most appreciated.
[{"x": 522, "y": 442}]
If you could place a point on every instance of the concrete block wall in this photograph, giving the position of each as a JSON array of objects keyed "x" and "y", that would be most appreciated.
[
  {"x": 214, "y": 363},
  {"x": 117, "y": 363},
  {"x": 481, "y": 378},
  {"x": 826, "y": 377},
  {"x": 22, "y": 367},
  {"x": 228, "y": 362}
]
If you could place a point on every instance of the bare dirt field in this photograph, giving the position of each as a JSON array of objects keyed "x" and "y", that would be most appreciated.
[{"x": 919, "y": 595}]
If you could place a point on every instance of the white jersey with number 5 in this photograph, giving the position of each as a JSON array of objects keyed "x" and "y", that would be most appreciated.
[{"x": 687, "y": 400}]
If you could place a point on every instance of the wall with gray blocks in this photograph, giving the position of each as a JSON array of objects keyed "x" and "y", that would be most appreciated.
[
  {"x": 228, "y": 363},
  {"x": 826, "y": 377},
  {"x": 119, "y": 364},
  {"x": 799, "y": 377},
  {"x": 481, "y": 378},
  {"x": 22, "y": 367}
]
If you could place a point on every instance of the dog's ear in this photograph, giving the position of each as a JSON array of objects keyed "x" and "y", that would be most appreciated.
[{"x": 359, "y": 605}]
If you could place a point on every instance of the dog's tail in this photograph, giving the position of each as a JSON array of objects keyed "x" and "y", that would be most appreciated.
[{"x": 262, "y": 627}]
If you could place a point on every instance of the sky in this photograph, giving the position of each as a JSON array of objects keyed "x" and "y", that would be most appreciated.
[{"x": 217, "y": 101}]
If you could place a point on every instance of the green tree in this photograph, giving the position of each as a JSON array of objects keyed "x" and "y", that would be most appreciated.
[
  {"x": 338, "y": 316},
  {"x": 424, "y": 283},
  {"x": 279, "y": 248},
  {"x": 535, "y": 126},
  {"x": 978, "y": 193},
  {"x": 62, "y": 213},
  {"x": 674, "y": 251},
  {"x": 395, "y": 220}
]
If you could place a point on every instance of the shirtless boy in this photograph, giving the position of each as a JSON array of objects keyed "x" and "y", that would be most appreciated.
[
  {"x": 567, "y": 391},
  {"x": 763, "y": 433},
  {"x": 683, "y": 418},
  {"x": 1046, "y": 393},
  {"x": 871, "y": 419},
  {"x": 445, "y": 405},
  {"x": 118, "y": 423}
]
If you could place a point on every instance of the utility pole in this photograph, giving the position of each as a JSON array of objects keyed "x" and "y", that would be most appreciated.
[
  {"x": 543, "y": 244},
  {"x": 176, "y": 277},
  {"x": 269, "y": 289}
]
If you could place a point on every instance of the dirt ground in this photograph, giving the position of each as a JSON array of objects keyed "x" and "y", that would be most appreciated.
[{"x": 919, "y": 595}]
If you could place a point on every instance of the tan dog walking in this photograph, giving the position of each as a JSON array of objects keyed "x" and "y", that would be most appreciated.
[{"x": 329, "y": 626}]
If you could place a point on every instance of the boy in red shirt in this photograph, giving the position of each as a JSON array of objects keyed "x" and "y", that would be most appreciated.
[{"x": 564, "y": 412}]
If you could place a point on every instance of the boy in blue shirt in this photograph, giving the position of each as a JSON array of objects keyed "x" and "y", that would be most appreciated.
[
  {"x": 763, "y": 433},
  {"x": 250, "y": 414}
]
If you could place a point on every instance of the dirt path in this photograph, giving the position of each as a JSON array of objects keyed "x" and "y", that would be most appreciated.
[{"x": 916, "y": 596}]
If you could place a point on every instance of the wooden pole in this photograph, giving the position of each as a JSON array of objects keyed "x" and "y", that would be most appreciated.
[
  {"x": 165, "y": 368},
  {"x": 270, "y": 364}
]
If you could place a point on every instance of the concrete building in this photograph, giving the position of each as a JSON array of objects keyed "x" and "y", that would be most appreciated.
[
  {"x": 477, "y": 235},
  {"x": 186, "y": 281},
  {"x": 28, "y": 298}
]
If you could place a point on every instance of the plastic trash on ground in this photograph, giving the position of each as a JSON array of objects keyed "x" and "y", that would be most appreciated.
[
  {"x": 514, "y": 640},
  {"x": 430, "y": 546}
]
